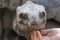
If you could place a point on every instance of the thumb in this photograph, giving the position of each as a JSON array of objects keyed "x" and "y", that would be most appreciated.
[{"x": 45, "y": 32}]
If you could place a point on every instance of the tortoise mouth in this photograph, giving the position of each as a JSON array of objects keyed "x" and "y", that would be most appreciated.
[{"x": 28, "y": 26}]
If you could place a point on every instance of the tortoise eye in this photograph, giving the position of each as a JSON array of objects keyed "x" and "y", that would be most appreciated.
[
  {"x": 41, "y": 15},
  {"x": 23, "y": 16}
]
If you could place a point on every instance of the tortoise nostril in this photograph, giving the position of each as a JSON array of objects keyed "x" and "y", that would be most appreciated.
[
  {"x": 34, "y": 22},
  {"x": 21, "y": 21}
]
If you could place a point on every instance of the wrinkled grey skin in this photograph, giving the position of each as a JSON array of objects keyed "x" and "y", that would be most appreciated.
[
  {"x": 29, "y": 17},
  {"x": 52, "y": 8}
]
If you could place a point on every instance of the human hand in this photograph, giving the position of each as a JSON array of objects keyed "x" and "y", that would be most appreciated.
[
  {"x": 47, "y": 34},
  {"x": 36, "y": 35}
]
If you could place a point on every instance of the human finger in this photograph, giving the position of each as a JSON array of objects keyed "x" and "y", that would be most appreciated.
[
  {"x": 39, "y": 35},
  {"x": 33, "y": 35}
]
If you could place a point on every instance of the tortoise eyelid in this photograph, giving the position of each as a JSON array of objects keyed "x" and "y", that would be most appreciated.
[
  {"x": 23, "y": 16},
  {"x": 41, "y": 15}
]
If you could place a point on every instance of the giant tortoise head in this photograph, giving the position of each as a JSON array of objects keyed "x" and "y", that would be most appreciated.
[{"x": 29, "y": 16}]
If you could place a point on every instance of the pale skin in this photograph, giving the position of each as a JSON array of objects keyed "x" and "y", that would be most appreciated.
[{"x": 47, "y": 34}]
